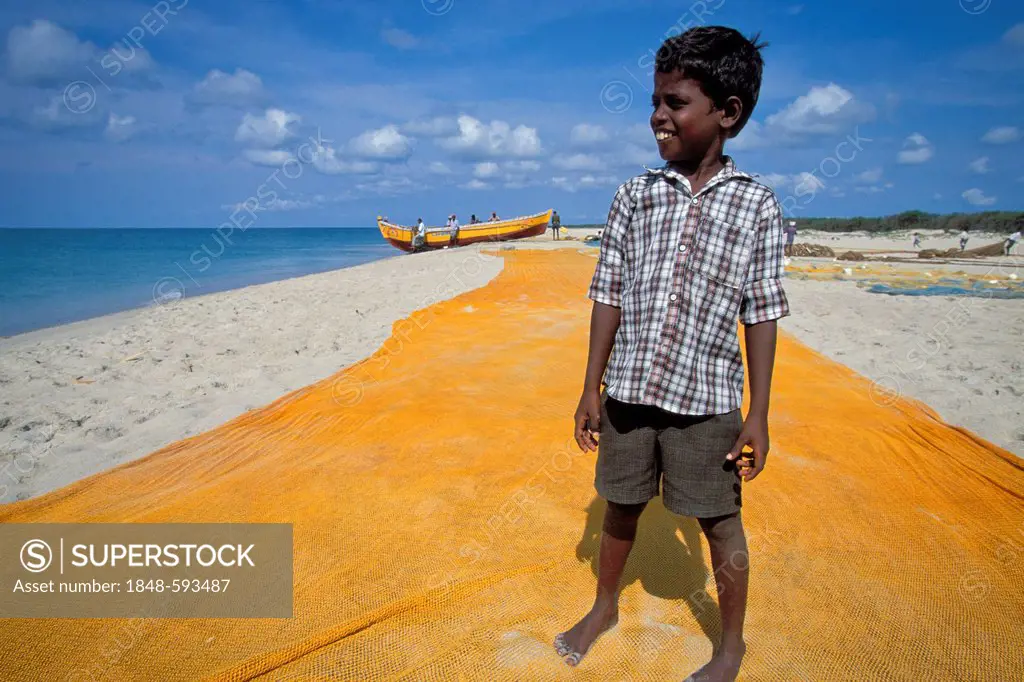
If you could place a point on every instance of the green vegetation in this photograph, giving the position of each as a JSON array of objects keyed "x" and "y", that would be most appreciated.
[{"x": 999, "y": 222}]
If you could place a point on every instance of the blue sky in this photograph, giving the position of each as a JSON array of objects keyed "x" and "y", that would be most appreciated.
[{"x": 329, "y": 112}]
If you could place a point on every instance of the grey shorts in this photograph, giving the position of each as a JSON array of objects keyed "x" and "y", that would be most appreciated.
[{"x": 643, "y": 446}]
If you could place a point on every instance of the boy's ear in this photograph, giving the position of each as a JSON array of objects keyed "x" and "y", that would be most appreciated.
[{"x": 730, "y": 113}]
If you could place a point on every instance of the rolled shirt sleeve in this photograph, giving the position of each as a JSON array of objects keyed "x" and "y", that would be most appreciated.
[
  {"x": 763, "y": 297},
  {"x": 606, "y": 286}
]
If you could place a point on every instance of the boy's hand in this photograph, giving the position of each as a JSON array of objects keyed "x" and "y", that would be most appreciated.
[
  {"x": 588, "y": 420},
  {"x": 755, "y": 435}
]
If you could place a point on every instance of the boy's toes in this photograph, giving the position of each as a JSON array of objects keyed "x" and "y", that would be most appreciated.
[
  {"x": 561, "y": 647},
  {"x": 574, "y": 658}
]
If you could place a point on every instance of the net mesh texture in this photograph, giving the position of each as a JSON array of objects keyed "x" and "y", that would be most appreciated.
[{"x": 446, "y": 526}]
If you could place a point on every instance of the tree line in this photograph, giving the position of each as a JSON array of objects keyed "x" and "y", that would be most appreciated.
[{"x": 999, "y": 222}]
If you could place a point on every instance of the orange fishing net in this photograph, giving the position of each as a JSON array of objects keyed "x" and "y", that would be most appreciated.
[{"x": 446, "y": 528}]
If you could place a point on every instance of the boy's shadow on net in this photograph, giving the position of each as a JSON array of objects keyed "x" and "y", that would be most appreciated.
[{"x": 666, "y": 566}]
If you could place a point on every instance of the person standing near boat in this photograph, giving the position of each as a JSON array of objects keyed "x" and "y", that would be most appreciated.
[
  {"x": 494, "y": 217},
  {"x": 420, "y": 238},
  {"x": 963, "y": 238},
  {"x": 556, "y": 225},
  {"x": 453, "y": 226}
]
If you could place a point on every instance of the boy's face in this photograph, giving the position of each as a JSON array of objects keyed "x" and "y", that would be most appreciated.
[{"x": 685, "y": 121}]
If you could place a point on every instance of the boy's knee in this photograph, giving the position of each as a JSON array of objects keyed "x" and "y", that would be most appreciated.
[
  {"x": 620, "y": 519},
  {"x": 722, "y": 528}
]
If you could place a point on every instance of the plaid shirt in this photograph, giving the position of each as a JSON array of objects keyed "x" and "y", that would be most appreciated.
[{"x": 683, "y": 269}]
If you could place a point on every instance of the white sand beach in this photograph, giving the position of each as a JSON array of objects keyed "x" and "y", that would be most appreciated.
[{"x": 84, "y": 397}]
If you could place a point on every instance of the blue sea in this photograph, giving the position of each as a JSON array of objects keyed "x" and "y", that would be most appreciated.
[{"x": 55, "y": 276}]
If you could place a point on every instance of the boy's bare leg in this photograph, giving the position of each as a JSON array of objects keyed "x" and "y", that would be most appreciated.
[
  {"x": 731, "y": 565},
  {"x": 620, "y": 522}
]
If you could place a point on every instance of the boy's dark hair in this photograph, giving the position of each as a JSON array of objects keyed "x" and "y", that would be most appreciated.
[{"x": 721, "y": 60}]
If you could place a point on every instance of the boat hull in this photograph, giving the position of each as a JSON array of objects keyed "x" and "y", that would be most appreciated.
[{"x": 401, "y": 237}]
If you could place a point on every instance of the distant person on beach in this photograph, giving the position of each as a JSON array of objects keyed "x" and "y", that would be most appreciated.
[
  {"x": 790, "y": 237},
  {"x": 420, "y": 238},
  {"x": 917, "y": 240},
  {"x": 556, "y": 225},
  {"x": 1010, "y": 242},
  {"x": 453, "y": 227},
  {"x": 494, "y": 218},
  {"x": 963, "y": 239},
  {"x": 473, "y": 220},
  {"x": 710, "y": 240}
]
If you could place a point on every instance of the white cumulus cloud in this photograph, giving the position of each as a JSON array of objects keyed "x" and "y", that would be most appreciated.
[
  {"x": 496, "y": 138},
  {"x": 870, "y": 176},
  {"x": 775, "y": 180},
  {"x": 56, "y": 115},
  {"x": 384, "y": 143},
  {"x": 475, "y": 184},
  {"x": 916, "y": 149},
  {"x": 804, "y": 182},
  {"x": 1002, "y": 134},
  {"x": 225, "y": 88},
  {"x": 824, "y": 110},
  {"x": 975, "y": 197},
  {"x": 580, "y": 162},
  {"x": 120, "y": 128},
  {"x": 44, "y": 51},
  {"x": 433, "y": 127},
  {"x": 586, "y": 134},
  {"x": 268, "y": 130},
  {"x": 525, "y": 166},
  {"x": 979, "y": 165},
  {"x": 487, "y": 169},
  {"x": 807, "y": 182},
  {"x": 327, "y": 161},
  {"x": 587, "y": 181},
  {"x": 268, "y": 157}
]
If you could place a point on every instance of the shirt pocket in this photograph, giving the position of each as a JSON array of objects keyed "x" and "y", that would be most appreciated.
[{"x": 723, "y": 252}]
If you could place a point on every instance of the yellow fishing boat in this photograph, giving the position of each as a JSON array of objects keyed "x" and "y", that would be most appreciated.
[{"x": 401, "y": 237}]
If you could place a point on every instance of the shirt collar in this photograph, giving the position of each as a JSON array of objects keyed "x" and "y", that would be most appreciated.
[{"x": 728, "y": 172}]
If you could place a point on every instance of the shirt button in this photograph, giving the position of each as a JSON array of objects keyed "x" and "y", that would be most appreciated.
[
  {"x": 695, "y": 201},
  {"x": 672, "y": 297},
  {"x": 682, "y": 248}
]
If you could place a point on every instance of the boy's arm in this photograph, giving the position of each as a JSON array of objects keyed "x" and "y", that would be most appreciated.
[
  {"x": 604, "y": 323},
  {"x": 606, "y": 293},
  {"x": 764, "y": 302}
]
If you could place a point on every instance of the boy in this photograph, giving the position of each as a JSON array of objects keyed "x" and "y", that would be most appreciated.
[
  {"x": 687, "y": 251},
  {"x": 556, "y": 225}
]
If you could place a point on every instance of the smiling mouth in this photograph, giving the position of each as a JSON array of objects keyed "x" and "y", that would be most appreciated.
[{"x": 663, "y": 135}]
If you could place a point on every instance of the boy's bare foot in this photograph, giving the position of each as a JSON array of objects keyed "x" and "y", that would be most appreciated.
[
  {"x": 724, "y": 666},
  {"x": 573, "y": 644}
]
